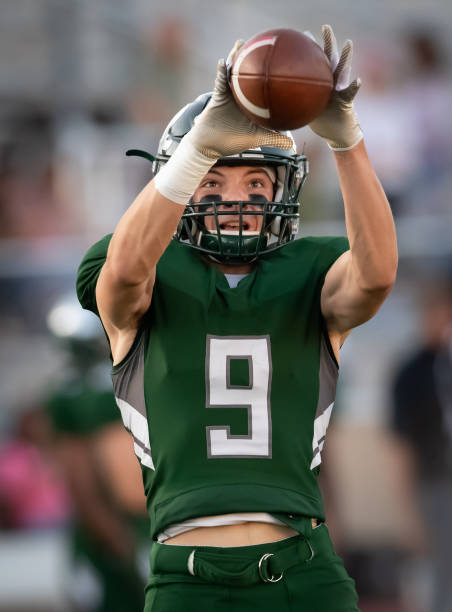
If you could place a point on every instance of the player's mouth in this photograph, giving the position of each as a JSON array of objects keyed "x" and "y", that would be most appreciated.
[{"x": 233, "y": 225}]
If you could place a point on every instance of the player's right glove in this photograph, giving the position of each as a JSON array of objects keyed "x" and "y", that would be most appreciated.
[{"x": 220, "y": 130}]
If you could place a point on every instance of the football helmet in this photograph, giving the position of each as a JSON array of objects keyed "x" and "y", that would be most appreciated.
[
  {"x": 280, "y": 217},
  {"x": 77, "y": 331}
]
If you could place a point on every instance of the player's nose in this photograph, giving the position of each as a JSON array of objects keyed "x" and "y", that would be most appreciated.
[
  {"x": 235, "y": 193},
  {"x": 230, "y": 207}
]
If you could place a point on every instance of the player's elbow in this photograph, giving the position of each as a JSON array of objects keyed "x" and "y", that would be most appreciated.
[
  {"x": 378, "y": 278},
  {"x": 378, "y": 287},
  {"x": 388, "y": 277}
]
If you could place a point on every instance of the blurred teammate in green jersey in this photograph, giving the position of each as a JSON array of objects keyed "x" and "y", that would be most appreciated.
[{"x": 109, "y": 525}]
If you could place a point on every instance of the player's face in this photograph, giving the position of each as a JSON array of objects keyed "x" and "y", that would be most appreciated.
[{"x": 235, "y": 183}]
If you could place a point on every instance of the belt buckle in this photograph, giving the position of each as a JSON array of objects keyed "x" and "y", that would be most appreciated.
[{"x": 263, "y": 569}]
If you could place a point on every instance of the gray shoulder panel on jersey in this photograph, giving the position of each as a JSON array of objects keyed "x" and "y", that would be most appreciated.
[
  {"x": 328, "y": 375},
  {"x": 128, "y": 386}
]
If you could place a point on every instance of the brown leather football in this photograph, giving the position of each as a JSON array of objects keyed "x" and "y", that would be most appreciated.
[{"x": 281, "y": 79}]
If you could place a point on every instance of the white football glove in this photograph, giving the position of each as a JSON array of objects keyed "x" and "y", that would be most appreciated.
[
  {"x": 338, "y": 123},
  {"x": 220, "y": 130}
]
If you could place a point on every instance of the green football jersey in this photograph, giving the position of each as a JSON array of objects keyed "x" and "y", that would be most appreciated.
[
  {"x": 228, "y": 392},
  {"x": 82, "y": 404}
]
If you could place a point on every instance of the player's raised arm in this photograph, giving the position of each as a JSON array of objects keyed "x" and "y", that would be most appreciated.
[
  {"x": 358, "y": 282},
  {"x": 126, "y": 281}
]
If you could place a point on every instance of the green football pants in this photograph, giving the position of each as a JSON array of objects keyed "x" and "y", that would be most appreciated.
[{"x": 299, "y": 574}]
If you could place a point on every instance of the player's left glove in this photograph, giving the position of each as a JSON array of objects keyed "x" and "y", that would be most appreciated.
[{"x": 338, "y": 124}]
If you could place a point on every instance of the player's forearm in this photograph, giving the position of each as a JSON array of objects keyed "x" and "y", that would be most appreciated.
[
  {"x": 142, "y": 235},
  {"x": 369, "y": 221}
]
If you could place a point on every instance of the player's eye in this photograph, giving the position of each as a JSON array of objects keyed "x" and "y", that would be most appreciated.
[
  {"x": 257, "y": 184},
  {"x": 210, "y": 183}
]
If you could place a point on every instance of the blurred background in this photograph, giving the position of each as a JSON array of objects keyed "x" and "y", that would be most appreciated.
[{"x": 80, "y": 83}]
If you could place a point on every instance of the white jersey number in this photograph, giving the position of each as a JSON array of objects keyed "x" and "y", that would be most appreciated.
[{"x": 220, "y": 393}]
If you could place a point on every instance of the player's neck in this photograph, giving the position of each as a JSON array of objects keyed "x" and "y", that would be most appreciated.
[{"x": 245, "y": 268}]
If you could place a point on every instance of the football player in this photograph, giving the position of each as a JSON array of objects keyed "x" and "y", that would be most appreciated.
[
  {"x": 225, "y": 336},
  {"x": 109, "y": 527}
]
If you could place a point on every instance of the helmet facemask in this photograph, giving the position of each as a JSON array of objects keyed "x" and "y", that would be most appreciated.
[
  {"x": 227, "y": 244},
  {"x": 277, "y": 224}
]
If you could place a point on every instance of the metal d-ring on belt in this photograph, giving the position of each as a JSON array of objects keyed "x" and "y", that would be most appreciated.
[
  {"x": 264, "y": 561},
  {"x": 263, "y": 569},
  {"x": 210, "y": 567}
]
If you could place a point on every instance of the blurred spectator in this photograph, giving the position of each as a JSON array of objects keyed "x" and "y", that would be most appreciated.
[
  {"x": 404, "y": 104},
  {"x": 29, "y": 204},
  {"x": 422, "y": 418},
  {"x": 162, "y": 71},
  {"x": 430, "y": 89},
  {"x": 32, "y": 494},
  {"x": 110, "y": 522}
]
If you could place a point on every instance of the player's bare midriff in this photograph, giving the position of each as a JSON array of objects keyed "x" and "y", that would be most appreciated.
[{"x": 244, "y": 534}]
